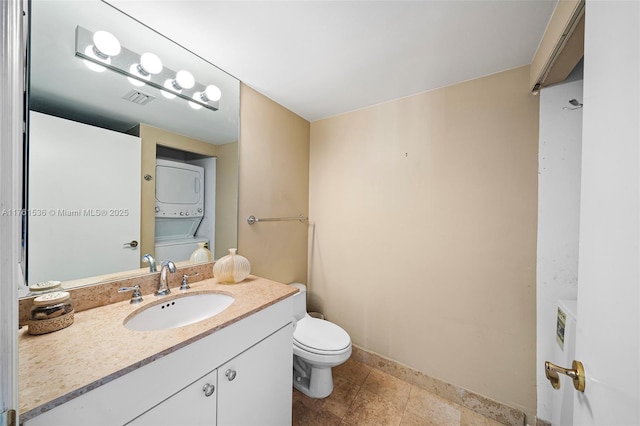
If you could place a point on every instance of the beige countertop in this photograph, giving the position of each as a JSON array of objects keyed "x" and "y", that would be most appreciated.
[{"x": 97, "y": 348}]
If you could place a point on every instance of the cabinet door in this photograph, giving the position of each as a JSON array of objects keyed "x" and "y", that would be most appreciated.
[
  {"x": 193, "y": 405},
  {"x": 254, "y": 388}
]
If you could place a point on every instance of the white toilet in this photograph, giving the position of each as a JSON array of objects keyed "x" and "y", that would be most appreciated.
[{"x": 318, "y": 345}]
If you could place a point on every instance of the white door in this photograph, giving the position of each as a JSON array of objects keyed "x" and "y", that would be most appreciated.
[
  {"x": 84, "y": 200},
  {"x": 609, "y": 273}
]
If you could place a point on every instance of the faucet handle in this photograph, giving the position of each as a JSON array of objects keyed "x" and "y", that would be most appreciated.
[
  {"x": 185, "y": 282},
  {"x": 136, "y": 297}
]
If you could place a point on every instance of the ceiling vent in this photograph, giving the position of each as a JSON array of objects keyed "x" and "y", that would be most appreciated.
[{"x": 138, "y": 97}]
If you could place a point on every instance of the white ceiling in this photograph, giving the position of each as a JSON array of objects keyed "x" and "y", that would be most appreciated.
[{"x": 322, "y": 58}]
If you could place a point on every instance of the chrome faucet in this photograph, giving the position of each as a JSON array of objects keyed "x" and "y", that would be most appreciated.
[
  {"x": 163, "y": 287},
  {"x": 147, "y": 258}
]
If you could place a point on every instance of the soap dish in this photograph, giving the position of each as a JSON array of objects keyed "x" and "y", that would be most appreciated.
[
  {"x": 51, "y": 312},
  {"x": 44, "y": 286}
]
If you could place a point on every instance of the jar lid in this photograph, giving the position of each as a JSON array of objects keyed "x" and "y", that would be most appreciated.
[
  {"x": 44, "y": 285},
  {"x": 51, "y": 298}
]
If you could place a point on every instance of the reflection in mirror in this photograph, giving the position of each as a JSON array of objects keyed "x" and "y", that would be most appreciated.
[{"x": 118, "y": 165}]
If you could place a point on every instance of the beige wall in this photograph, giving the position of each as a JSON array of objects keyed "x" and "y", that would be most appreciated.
[
  {"x": 226, "y": 195},
  {"x": 425, "y": 232},
  {"x": 274, "y": 182}
]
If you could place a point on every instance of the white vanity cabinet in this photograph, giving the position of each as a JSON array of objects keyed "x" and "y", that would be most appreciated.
[
  {"x": 251, "y": 389},
  {"x": 194, "y": 405},
  {"x": 191, "y": 386}
]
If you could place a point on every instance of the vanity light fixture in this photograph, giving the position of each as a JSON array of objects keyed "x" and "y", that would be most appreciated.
[
  {"x": 168, "y": 93},
  {"x": 105, "y": 44},
  {"x": 195, "y": 105},
  {"x": 184, "y": 80},
  {"x": 149, "y": 64},
  {"x": 95, "y": 60},
  {"x": 101, "y": 50},
  {"x": 133, "y": 69},
  {"x": 211, "y": 93}
]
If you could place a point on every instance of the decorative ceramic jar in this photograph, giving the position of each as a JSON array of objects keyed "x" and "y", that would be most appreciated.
[
  {"x": 231, "y": 268},
  {"x": 201, "y": 254}
]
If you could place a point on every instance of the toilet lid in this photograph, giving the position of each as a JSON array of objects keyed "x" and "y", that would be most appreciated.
[{"x": 320, "y": 335}]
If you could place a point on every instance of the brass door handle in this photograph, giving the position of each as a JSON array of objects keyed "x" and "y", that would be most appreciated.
[{"x": 576, "y": 373}]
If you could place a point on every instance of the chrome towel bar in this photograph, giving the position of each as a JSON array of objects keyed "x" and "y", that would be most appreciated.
[{"x": 252, "y": 219}]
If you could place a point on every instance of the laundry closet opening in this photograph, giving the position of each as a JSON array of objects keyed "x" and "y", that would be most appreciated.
[
  {"x": 189, "y": 195},
  {"x": 185, "y": 203}
]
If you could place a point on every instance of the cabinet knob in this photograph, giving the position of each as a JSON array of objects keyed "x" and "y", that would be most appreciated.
[
  {"x": 208, "y": 389},
  {"x": 231, "y": 374}
]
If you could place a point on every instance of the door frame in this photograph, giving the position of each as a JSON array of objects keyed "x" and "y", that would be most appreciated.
[{"x": 12, "y": 85}]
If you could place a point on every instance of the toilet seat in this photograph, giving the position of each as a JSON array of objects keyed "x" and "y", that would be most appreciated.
[{"x": 320, "y": 337}]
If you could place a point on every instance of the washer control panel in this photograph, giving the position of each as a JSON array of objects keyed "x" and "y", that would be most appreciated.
[{"x": 181, "y": 211}]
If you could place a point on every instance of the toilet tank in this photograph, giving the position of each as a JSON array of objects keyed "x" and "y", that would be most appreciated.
[{"x": 299, "y": 301}]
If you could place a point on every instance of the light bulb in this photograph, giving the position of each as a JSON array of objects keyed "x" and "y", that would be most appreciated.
[
  {"x": 197, "y": 96},
  {"x": 133, "y": 69},
  {"x": 211, "y": 93},
  {"x": 91, "y": 65},
  {"x": 168, "y": 84},
  {"x": 106, "y": 44},
  {"x": 184, "y": 80},
  {"x": 149, "y": 64}
]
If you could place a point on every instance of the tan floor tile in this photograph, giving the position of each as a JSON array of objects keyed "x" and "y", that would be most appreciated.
[
  {"x": 369, "y": 409},
  {"x": 344, "y": 392},
  {"x": 491, "y": 408},
  {"x": 388, "y": 387},
  {"x": 471, "y": 418},
  {"x": 433, "y": 409},
  {"x": 364, "y": 396},
  {"x": 303, "y": 415},
  {"x": 410, "y": 419},
  {"x": 311, "y": 403},
  {"x": 352, "y": 370}
]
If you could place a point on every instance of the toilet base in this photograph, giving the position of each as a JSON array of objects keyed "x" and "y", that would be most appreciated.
[{"x": 315, "y": 382}]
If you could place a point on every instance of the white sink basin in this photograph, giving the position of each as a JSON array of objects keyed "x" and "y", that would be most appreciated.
[{"x": 178, "y": 312}]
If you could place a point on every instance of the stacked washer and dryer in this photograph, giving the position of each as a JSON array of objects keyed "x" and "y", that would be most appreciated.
[{"x": 179, "y": 209}]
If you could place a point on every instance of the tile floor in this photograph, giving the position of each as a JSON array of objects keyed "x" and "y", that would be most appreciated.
[{"x": 366, "y": 396}]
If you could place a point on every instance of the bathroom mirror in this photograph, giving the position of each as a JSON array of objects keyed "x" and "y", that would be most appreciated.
[{"x": 65, "y": 88}]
